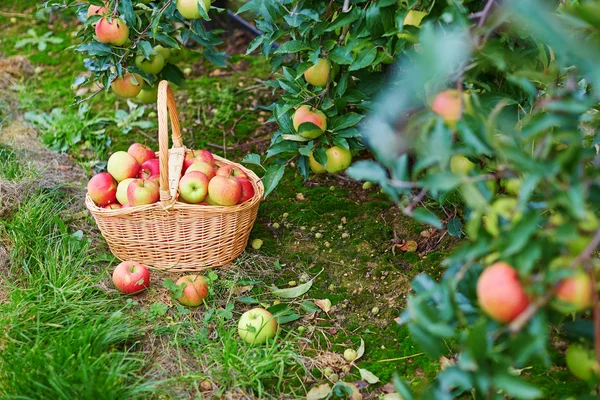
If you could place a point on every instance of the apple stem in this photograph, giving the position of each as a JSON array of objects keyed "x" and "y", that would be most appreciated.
[{"x": 116, "y": 8}]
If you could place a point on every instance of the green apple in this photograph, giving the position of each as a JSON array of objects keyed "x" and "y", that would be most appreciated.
[
  {"x": 176, "y": 55},
  {"x": 256, "y": 326},
  {"x": 150, "y": 66},
  {"x": 512, "y": 186},
  {"x": 148, "y": 95},
  {"x": 338, "y": 159},
  {"x": 318, "y": 74},
  {"x": 163, "y": 51},
  {"x": 314, "y": 165},
  {"x": 461, "y": 165},
  {"x": 581, "y": 362},
  {"x": 189, "y": 8}
]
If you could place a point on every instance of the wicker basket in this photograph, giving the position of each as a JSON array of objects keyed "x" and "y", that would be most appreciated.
[{"x": 171, "y": 235}]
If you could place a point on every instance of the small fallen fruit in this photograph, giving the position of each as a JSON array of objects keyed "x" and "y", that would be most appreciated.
[
  {"x": 375, "y": 310},
  {"x": 350, "y": 354},
  {"x": 346, "y": 369},
  {"x": 257, "y": 244},
  {"x": 367, "y": 185},
  {"x": 292, "y": 283},
  {"x": 285, "y": 215},
  {"x": 318, "y": 235},
  {"x": 275, "y": 225},
  {"x": 328, "y": 371},
  {"x": 301, "y": 329}
]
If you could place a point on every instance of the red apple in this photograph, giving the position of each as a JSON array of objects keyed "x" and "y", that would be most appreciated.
[
  {"x": 122, "y": 165},
  {"x": 142, "y": 191},
  {"x": 149, "y": 168},
  {"x": 574, "y": 293},
  {"x": 96, "y": 10},
  {"x": 197, "y": 155},
  {"x": 113, "y": 206},
  {"x": 209, "y": 201},
  {"x": 141, "y": 152},
  {"x": 500, "y": 293},
  {"x": 155, "y": 179},
  {"x": 306, "y": 114},
  {"x": 448, "y": 104},
  {"x": 225, "y": 191},
  {"x": 230, "y": 170},
  {"x": 112, "y": 31},
  {"x": 193, "y": 187},
  {"x": 130, "y": 85},
  {"x": 247, "y": 189},
  {"x": 122, "y": 190},
  {"x": 131, "y": 277},
  {"x": 204, "y": 167},
  {"x": 194, "y": 291},
  {"x": 102, "y": 189}
]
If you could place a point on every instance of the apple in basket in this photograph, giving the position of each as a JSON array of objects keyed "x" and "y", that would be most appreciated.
[
  {"x": 247, "y": 189},
  {"x": 204, "y": 167},
  {"x": 122, "y": 165},
  {"x": 230, "y": 170},
  {"x": 197, "y": 155},
  {"x": 195, "y": 290},
  {"x": 193, "y": 187},
  {"x": 149, "y": 168},
  {"x": 224, "y": 190},
  {"x": 102, "y": 189},
  {"x": 131, "y": 277},
  {"x": 142, "y": 191},
  {"x": 113, "y": 206},
  {"x": 122, "y": 190},
  {"x": 141, "y": 152}
]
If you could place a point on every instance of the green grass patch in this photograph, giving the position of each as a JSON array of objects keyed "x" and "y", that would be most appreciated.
[{"x": 14, "y": 168}]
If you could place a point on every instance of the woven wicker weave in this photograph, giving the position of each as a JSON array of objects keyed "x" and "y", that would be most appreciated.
[{"x": 171, "y": 235}]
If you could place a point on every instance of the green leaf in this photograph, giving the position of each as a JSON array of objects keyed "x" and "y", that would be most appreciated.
[
  {"x": 296, "y": 291},
  {"x": 345, "y": 121},
  {"x": 367, "y": 170},
  {"x": 310, "y": 306},
  {"x": 247, "y": 300},
  {"x": 454, "y": 227},
  {"x": 368, "y": 376},
  {"x": 252, "y": 158},
  {"x": 272, "y": 177},
  {"x": 429, "y": 343},
  {"x": 293, "y": 46},
  {"x": 344, "y": 19},
  {"x": 423, "y": 215},
  {"x": 516, "y": 387},
  {"x": 364, "y": 58},
  {"x": 297, "y": 138}
]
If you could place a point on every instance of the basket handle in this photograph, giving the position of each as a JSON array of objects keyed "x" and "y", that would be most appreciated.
[{"x": 167, "y": 110}]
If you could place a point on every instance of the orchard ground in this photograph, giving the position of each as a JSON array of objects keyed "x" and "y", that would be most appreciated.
[{"x": 353, "y": 242}]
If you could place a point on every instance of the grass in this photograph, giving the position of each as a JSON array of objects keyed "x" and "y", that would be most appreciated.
[{"x": 12, "y": 167}]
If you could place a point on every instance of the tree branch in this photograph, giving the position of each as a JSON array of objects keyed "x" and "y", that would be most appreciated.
[
  {"x": 587, "y": 252},
  {"x": 485, "y": 12},
  {"x": 416, "y": 200}
]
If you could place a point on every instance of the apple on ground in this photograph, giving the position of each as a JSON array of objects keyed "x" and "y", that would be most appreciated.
[
  {"x": 318, "y": 74},
  {"x": 112, "y": 31},
  {"x": 195, "y": 290},
  {"x": 142, "y": 191},
  {"x": 338, "y": 159},
  {"x": 224, "y": 191},
  {"x": 197, "y": 155},
  {"x": 256, "y": 326},
  {"x": 189, "y": 8},
  {"x": 247, "y": 189},
  {"x": 129, "y": 85},
  {"x": 193, "y": 187},
  {"x": 102, "y": 189},
  {"x": 151, "y": 66},
  {"x": 149, "y": 168},
  {"x": 230, "y": 170},
  {"x": 574, "y": 293},
  {"x": 307, "y": 114},
  {"x": 96, "y": 10},
  {"x": 131, "y": 277},
  {"x": 500, "y": 293},
  {"x": 122, "y": 165},
  {"x": 448, "y": 104},
  {"x": 122, "y": 190},
  {"x": 141, "y": 152},
  {"x": 204, "y": 167}
]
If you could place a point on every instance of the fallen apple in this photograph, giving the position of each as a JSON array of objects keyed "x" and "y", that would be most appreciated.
[
  {"x": 195, "y": 290},
  {"x": 131, "y": 277},
  {"x": 256, "y": 326}
]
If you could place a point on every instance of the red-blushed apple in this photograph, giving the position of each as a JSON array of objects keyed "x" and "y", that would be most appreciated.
[
  {"x": 448, "y": 104},
  {"x": 112, "y": 31},
  {"x": 318, "y": 74},
  {"x": 574, "y": 293},
  {"x": 141, "y": 152},
  {"x": 247, "y": 189},
  {"x": 122, "y": 190},
  {"x": 149, "y": 168},
  {"x": 256, "y": 326},
  {"x": 102, "y": 189},
  {"x": 152, "y": 65},
  {"x": 122, "y": 165},
  {"x": 230, "y": 170},
  {"x": 142, "y": 191},
  {"x": 113, "y": 206},
  {"x": 131, "y": 277},
  {"x": 195, "y": 290},
  {"x": 130, "y": 85},
  {"x": 155, "y": 179},
  {"x": 338, "y": 159},
  {"x": 189, "y": 8},
  {"x": 197, "y": 155},
  {"x": 126, "y": 205},
  {"x": 204, "y": 167},
  {"x": 209, "y": 201},
  {"x": 193, "y": 187},
  {"x": 500, "y": 293},
  {"x": 224, "y": 191},
  {"x": 306, "y": 114},
  {"x": 96, "y": 10}
]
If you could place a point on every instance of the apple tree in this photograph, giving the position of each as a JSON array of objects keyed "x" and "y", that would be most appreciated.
[{"x": 497, "y": 110}]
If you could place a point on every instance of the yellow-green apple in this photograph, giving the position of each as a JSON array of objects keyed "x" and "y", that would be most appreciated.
[
  {"x": 152, "y": 65},
  {"x": 122, "y": 190},
  {"x": 131, "y": 277},
  {"x": 197, "y": 155},
  {"x": 589, "y": 222},
  {"x": 318, "y": 74},
  {"x": 193, "y": 187},
  {"x": 204, "y": 167},
  {"x": 129, "y": 85},
  {"x": 148, "y": 95},
  {"x": 247, "y": 189},
  {"x": 256, "y": 326},
  {"x": 314, "y": 165},
  {"x": 149, "y": 168},
  {"x": 189, "y": 8},
  {"x": 163, "y": 51},
  {"x": 574, "y": 293},
  {"x": 176, "y": 55},
  {"x": 155, "y": 179},
  {"x": 112, "y": 31},
  {"x": 141, "y": 152},
  {"x": 581, "y": 362},
  {"x": 122, "y": 165},
  {"x": 500, "y": 293},
  {"x": 448, "y": 104},
  {"x": 306, "y": 114},
  {"x": 195, "y": 290},
  {"x": 210, "y": 201},
  {"x": 102, "y": 189},
  {"x": 461, "y": 165},
  {"x": 338, "y": 159},
  {"x": 512, "y": 186},
  {"x": 230, "y": 170},
  {"x": 113, "y": 206},
  {"x": 224, "y": 191},
  {"x": 96, "y": 10},
  {"x": 142, "y": 191}
]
